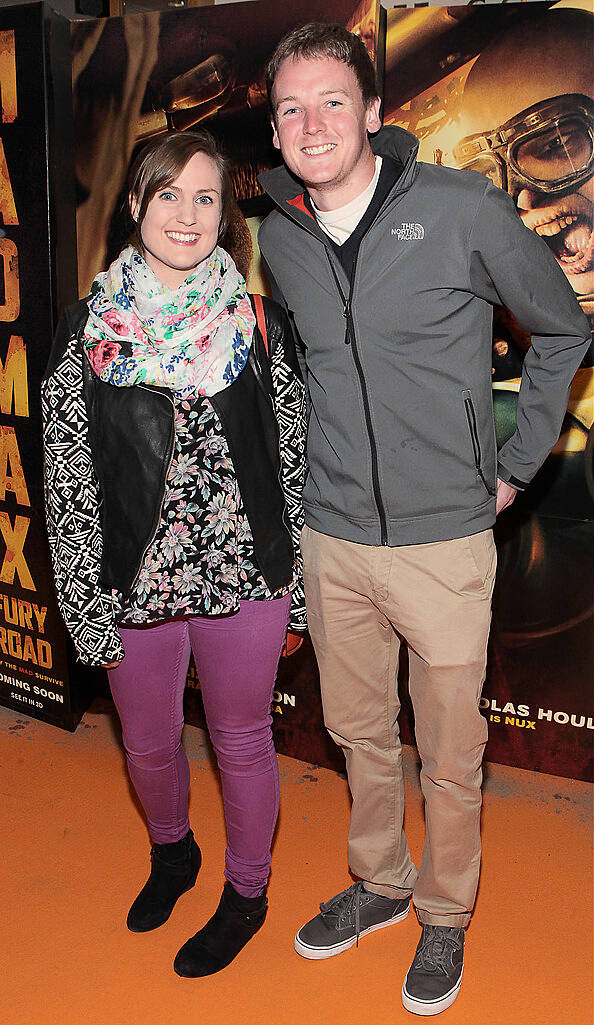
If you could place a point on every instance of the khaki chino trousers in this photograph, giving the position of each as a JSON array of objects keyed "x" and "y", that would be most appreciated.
[{"x": 361, "y": 602}]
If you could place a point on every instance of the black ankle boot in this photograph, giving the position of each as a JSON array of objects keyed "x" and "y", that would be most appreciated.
[
  {"x": 234, "y": 922},
  {"x": 174, "y": 867}
]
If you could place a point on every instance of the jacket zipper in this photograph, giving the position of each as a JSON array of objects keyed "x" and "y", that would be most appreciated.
[
  {"x": 476, "y": 445},
  {"x": 351, "y": 339},
  {"x": 158, "y": 517}
]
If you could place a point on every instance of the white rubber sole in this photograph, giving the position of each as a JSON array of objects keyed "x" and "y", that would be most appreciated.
[
  {"x": 428, "y": 1007},
  {"x": 319, "y": 953}
]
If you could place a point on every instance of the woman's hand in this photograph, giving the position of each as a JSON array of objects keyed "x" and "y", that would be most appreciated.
[{"x": 111, "y": 665}]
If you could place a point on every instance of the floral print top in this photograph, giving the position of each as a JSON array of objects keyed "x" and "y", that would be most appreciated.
[{"x": 201, "y": 560}]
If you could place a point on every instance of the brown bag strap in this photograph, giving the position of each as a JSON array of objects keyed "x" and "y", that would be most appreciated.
[{"x": 261, "y": 320}]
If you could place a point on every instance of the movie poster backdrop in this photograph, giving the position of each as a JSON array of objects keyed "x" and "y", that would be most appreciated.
[
  {"x": 512, "y": 99},
  {"x": 33, "y": 653},
  {"x": 134, "y": 77}
]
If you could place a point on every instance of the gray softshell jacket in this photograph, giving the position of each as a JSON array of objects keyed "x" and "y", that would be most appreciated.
[{"x": 401, "y": 439}]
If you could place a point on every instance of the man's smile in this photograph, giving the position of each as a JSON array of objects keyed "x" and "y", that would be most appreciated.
[{"x": 314, "y": 151}]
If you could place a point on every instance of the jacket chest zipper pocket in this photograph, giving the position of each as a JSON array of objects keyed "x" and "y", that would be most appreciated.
[{"x": 474, "y": 437}]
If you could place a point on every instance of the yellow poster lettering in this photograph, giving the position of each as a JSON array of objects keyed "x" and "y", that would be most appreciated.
[
  {"x": 11, "y": 609},
  {"x": 10, "y": 308},
  {"x": 26, "y": 614},
  {"x": 44, "y": 658},
  {"x": 8, "y": 82},
  {"x": 14, "y": 559},
  {"x": 7, "y": 207},
  {"x": 29, "y": 653},
  {"x": 12, "y": 477},
  {"x": 15, "y": 645},
  {"x": 40, "y": 614},
  {"x": 14, "y": 388}
]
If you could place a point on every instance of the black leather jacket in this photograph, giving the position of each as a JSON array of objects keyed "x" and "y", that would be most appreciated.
[{"x": 131, "y": 440}]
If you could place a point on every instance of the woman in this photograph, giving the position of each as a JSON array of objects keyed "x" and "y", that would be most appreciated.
[{"x": 174, "y": 463}]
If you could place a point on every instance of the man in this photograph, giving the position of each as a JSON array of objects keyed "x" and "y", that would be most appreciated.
[{"x": 389, "y": 269}]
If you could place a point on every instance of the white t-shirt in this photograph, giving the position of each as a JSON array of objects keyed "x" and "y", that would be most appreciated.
[{"x": 339, "y": 224}]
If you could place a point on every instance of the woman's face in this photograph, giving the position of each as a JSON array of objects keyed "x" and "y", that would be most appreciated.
[{"x": 181, "y": 224}]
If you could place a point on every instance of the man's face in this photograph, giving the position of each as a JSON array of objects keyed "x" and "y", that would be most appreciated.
[
  {"x": 566, "y": 225},
  {"x": 321, "y": 126}
]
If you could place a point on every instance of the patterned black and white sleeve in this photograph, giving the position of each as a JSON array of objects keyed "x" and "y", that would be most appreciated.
[
  {"x": 72, "y": 514},
  {"x": 290, "y": 409}
]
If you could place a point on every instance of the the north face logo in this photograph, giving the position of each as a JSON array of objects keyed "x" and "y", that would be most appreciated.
[{"x": 408, "y": 230}]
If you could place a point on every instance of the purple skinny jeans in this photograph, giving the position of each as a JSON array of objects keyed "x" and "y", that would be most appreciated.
[{"x": 236, "y": 660}]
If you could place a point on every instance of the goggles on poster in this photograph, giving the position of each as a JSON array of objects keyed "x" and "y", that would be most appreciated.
[{"x": 548, "y": 147}]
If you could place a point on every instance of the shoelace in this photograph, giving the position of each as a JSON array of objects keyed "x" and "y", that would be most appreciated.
[
  {"x": 438, "y": 946},
  {"x": 343, "y": 905}
]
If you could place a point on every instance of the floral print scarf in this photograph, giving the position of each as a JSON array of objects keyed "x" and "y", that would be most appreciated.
[{"x": 193, "y": 340}]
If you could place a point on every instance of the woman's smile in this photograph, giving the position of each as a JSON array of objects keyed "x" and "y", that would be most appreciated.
[{"x": 183, "y": 238}]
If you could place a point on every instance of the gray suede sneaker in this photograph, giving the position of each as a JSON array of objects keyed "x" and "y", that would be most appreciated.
[
  {"x": 346, "y": 917},
  {"x": 434, "y": 978}
]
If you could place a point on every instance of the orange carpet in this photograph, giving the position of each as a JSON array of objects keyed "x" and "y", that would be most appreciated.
[{"x": 75, "y": 853}]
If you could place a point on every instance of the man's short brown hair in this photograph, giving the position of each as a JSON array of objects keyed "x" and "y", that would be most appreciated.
[{"x": 318, "y": 39}]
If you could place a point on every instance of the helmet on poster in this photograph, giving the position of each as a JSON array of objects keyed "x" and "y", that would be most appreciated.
[
  {"x": 548, "y": 147},
  {"x": 527, "y": 118},
  {"x": 529, "y": 93}
]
